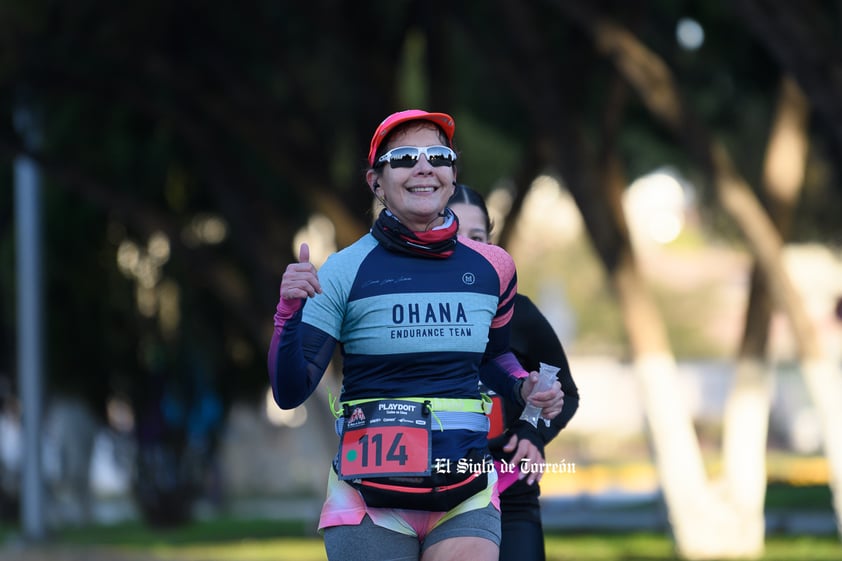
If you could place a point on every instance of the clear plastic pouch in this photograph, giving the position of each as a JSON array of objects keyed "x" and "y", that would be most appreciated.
[{"x": 546, "y": 379}]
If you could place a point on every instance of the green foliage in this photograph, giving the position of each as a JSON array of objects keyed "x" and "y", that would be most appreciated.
[
  {"x": 410, "y": 81},
  {"x": 781, "y": 495},
  {"x": 486, "y": 154}
]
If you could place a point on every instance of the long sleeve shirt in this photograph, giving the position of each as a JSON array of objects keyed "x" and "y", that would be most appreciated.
[{"x": 407, "y": 327}]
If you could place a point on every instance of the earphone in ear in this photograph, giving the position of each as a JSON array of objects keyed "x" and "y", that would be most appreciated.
[{"x": 374, "y": 187}]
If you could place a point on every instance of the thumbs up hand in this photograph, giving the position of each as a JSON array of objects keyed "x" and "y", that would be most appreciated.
[{"x": 300, "y": 279}]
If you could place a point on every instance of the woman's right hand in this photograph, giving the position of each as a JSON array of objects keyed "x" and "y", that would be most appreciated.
[{"x": 300, "y": 279}]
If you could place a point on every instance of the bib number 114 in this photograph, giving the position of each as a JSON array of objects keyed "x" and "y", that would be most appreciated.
[
  {"x": 385, "y": 450},
  {"x": 396, "y": 453}
]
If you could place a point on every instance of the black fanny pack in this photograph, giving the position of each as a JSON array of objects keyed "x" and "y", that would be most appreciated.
[{"x": 451, "y": 483}]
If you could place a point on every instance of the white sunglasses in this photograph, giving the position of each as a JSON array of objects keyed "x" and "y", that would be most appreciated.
[{"x": 408, "y": 156}]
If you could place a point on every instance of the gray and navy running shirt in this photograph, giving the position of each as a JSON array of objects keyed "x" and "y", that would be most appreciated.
[{"x": 408, "y": 327}]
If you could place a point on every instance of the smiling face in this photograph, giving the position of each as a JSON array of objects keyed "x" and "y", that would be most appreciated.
[{"x": 418, "y": 194}]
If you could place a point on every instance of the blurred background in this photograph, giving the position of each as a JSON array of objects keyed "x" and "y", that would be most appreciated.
[{"x": 665, "y": 173}]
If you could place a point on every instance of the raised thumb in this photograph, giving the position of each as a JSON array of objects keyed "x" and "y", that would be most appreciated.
[{"x": 304, "y": 253}]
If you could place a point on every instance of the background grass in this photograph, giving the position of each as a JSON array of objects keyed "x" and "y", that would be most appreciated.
[
  {"x": 560, "y": 547},
  {"x": 239, "y": 539}
]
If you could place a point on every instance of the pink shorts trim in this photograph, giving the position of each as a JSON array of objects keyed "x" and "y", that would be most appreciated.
[
  {"x": 507, "y": 478},
  {"x": 344, "y": 506}
]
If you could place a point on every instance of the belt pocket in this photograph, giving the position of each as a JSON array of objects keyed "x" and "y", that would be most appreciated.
[{"x": 439, "y": 492}]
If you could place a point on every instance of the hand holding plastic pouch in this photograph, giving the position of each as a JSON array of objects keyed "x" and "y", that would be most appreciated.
[{"x": 546, "y": 378}]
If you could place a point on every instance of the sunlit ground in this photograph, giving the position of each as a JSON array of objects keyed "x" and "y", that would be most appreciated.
[{"x": 641, "y": 477}]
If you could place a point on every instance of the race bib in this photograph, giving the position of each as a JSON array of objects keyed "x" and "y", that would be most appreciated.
[{"x": 387, "y": 437}]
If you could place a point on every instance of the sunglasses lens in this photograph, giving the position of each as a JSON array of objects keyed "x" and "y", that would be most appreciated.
[
  {"x": 440, "y": 156},
  {"x": 405, "y": 157}
]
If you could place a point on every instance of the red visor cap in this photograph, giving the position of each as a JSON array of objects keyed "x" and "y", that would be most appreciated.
[{"x": 443, "y": 120}]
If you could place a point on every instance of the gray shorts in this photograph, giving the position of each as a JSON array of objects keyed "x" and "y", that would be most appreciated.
[{"x": 368, "y": 541}]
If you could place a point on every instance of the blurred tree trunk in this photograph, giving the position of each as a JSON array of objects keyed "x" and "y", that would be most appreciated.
[
  {"x": 710, "y": 524},
  {"x": 803, "y": 45},
  {"x": 705, "y": 524},
  {"x": 746, "y": 419},
  {"x": 650, "y": 76}
]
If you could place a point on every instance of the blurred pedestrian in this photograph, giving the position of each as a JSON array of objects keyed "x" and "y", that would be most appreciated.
[{"x": 533, "y": 341}]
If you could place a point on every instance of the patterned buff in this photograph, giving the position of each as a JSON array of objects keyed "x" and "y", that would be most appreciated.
[{"x": 437, "y": 243}]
